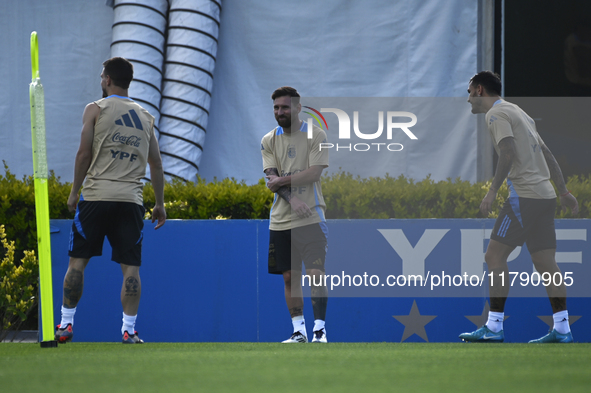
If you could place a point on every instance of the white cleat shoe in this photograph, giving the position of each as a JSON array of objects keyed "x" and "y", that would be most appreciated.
[
  {"x": 296, "y": 337},
  {"x": 320, "y": 336}
]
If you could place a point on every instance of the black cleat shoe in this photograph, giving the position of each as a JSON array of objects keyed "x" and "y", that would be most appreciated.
[
  {"x": 131, "y": 338},
  {"x": 64, "y": 335}
]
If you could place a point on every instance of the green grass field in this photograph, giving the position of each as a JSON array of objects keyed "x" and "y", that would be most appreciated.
[{"x": 270, "y": 367}]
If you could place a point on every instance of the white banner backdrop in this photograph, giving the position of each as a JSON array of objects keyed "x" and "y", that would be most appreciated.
[
  {"x": 338, "y": 48},
  {"x": 74, "y": 40},
  {"x": 414, "y": 136},
  {"x": 332, "y": 48}
]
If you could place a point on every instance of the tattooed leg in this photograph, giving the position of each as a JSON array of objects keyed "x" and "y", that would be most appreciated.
[
  {"x": 496, "y": 259},
  {"x": 131, "y": 289},
  {"x": 74, "y": 282},
  {"x": 319, "y": 294},
  {"x": 293, "y": 293}
]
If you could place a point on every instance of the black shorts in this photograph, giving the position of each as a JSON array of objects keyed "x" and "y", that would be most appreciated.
[
  {"x": 288, "y": 249},
  {"x": 526, "y": 220},
  {"x": 121, "y": 222}
]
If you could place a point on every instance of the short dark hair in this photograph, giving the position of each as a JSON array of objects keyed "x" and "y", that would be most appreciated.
[
  {"x": 286, "y": 91},
  {"x": 120, "y": 70},
  {"x": 491, "y": 81}
]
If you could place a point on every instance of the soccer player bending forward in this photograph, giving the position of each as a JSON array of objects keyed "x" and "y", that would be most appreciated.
[
  {"x": 293, "y": 164},
  {"x": 527, "y": 215},
  {"x": 116, "y": 143}
]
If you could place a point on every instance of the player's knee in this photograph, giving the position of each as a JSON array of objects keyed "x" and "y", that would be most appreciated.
[
  {"x": 545, "y": 260},
  {"x": 491, "y": 260},
  {"x": 287, "y": 277},
  {"x": 317, "y": 273},
  {"x": 543, "y": 265},
  {"x": 497, "y": 254},
  {"x": 292, "y": 278},
  {"x": 78, "y": 264},
  {"x": 495, "y": 260},
  {"x": 130, "y": 270}
]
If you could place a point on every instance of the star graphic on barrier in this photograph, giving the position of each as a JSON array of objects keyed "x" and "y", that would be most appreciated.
[
  {"x": 480, "y": 320},
  {"x": 549, "y": 320},
  {"x": 414, "y": 323}
]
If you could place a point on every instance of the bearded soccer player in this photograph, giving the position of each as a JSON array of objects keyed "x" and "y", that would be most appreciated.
[
  {"x": 116, "y": 143},
  {"x": 293, "y": 164},
  {"x": 527, "y": 215}
]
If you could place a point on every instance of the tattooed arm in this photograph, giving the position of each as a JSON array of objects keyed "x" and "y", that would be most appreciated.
[
  {"x": 298, "y": 206},
  {"x": 284, "y": 192},
  {"x": 566, "y": 198},
  {"x": 506, "y": 156},
  {"x": 305, "y": 177}
]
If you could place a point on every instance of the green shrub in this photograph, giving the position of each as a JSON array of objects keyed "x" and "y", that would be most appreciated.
[
  {"x": 347, "y": 197},
  {"x": 389, "y": 197},
  {"x": 17, "y": 286},
  {"x": 218, "y": 199},
  {"x": 17, "y": 208},
  {"x": 580, "y": 186}
]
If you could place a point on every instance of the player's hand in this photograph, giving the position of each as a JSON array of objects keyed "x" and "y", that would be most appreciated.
[
  {"x": 72, "y": 202},
  {"x": 300, "y": 208},
  {"x": 273, "y": 183},
  {"x": 569, "y": 200},
  {"x": 487, "y": 202},
  {"x": 158, "y": 213}
]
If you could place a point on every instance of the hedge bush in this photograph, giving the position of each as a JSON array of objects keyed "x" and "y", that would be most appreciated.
[
  {"x": 17, "y": 208},
  {"x": 352, "y": 197},
  {"x": 218, "y": 199},
  {"x": 347, "y": 197},
  {"x": 17, "y": 287}
]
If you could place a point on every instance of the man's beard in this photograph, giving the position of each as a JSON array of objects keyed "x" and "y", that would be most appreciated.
[
  {"x": 105, "y": 95},
  {"x": 284, "y": 121}
]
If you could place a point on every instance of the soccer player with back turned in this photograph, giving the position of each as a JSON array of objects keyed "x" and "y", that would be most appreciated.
[
  {"x": 527, "y": 215},
  {"x": 293, "y": 164},
  {"x": 117, "y": 141}
]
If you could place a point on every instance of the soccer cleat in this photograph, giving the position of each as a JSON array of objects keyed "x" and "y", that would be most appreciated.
[
  {"x": 131, "y": 338},
  {"x": 483, "y": 335},
  {"x": 64, "y": 335},
  {"x": 554, "y": 337},
  {"x": 319, "y": 336},
  {"x": 296, "y": 337}
]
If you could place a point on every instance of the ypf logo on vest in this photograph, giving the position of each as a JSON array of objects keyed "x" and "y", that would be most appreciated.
[{"x": 345, "y": 129}]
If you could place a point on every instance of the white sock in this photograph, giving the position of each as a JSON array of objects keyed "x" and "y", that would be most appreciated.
[
  {"x": 67, "y": 316},
  {"x": 128, "y": 324},
  {"x": 561, "y": 322},
  {"x": 495, "y": 321},
  {"x": 318, "y": 325},
  {"x": 299, "y": 325}
]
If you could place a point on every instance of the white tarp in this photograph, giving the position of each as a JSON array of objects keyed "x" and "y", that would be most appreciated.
[
  {"x": 414, "y": 136},
  {"x": 370, "y": 48},
  {"x": 74, "y": 40},
  {"x": 139, "y": 33},
  {"x": 191, "y": 47},
  {"x": 332, "y": 48}
]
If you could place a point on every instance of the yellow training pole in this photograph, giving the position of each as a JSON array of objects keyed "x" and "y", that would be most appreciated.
[{"x": 36, "y": 96}]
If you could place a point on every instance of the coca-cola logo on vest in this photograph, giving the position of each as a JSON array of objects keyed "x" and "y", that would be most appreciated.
[{"x": 130, "y": 140}]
